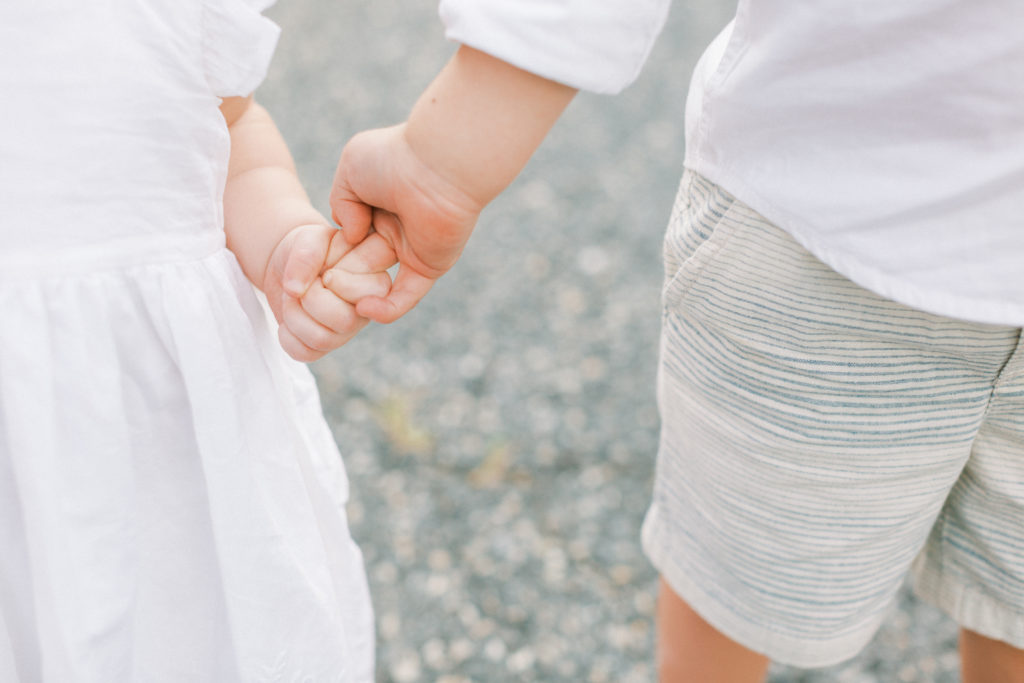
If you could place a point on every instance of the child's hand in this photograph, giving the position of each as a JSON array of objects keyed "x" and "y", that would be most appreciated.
[
  {"x": 422, "y": 184},
  {"x": 382, "y": 184},
  {"x": 314, "y": 320}
]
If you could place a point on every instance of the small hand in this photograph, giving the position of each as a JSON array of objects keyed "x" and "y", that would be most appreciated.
[
  {"x": 314, "y": 320},
  {"x": 425, "y": 220}
]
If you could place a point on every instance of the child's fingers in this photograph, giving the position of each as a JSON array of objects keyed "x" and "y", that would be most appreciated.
[
  {"x": 372, "y": 255},
  {"x": 338, "y": 248},
  {"x": 305, "y": 259},
  {"x": 406, "y": 292},
  {"x": 354, "y": 286},
  {"x": 327, "y": 309},
  {"x": 308, "y": 331},
  {"x": 296, "y": 349}
]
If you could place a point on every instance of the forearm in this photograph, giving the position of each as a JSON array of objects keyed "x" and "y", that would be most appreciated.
[
  {"x": 422, "y": 184},
  {"x": 263, "y": 199},
  {"x": 481, "y": 119}
]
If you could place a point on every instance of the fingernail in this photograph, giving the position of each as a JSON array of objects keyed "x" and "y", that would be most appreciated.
[
  {"x": 327, "y": 277},
  {"x": 293, "y": 286}
]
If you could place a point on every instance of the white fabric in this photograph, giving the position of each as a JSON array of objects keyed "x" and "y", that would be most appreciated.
[
  {"x": 596, "y": 45},
  {"x": 815, "y": 437},
  {"x": 887, "y": 137},
  {"x": 171, "y": 500}
]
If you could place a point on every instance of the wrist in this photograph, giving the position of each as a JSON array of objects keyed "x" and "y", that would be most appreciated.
[
  {"x": 481, "y": 119},
  {"x": 435, "y": 177}
]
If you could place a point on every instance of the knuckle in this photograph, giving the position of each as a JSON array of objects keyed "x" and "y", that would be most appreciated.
[
  {"x": 291, "y": 314},
  {"x": 319, "y": 339},
  {"x": 334, "y": 280},
  {"x": 349, "y": 319},
  {"x": 292, "y": 346},
  {"x": 304, "y": 256},
  {"x": 382, "y": 284}
]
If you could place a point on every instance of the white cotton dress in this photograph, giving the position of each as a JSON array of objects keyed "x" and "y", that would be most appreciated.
[{"x": 171, "y": 500}]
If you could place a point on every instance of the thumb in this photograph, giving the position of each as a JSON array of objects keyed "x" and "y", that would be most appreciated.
[
  {"x": 409, "y": 287},
  {"x": 306, "y": 258}
]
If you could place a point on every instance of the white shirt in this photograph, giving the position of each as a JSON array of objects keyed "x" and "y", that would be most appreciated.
[{"x": 886, "y": 137}]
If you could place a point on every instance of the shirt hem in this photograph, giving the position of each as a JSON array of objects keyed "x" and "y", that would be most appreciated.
[{"x": 945, "y": 304}]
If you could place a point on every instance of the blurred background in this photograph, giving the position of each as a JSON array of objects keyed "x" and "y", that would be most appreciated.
[{"x": 500, "y": 439}]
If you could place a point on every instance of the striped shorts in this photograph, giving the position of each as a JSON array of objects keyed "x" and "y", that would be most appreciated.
[{"x": 818, "y": 441}]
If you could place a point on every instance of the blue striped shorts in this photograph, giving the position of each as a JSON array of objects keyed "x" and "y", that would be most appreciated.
[{"x": 818, "y": 441}]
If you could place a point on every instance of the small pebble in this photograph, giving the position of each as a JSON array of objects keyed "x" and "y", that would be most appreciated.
[
  {"x": 406, "y": 667},
  {"x": 433, "y": 652},
  {"x": 495, "y": 649}
]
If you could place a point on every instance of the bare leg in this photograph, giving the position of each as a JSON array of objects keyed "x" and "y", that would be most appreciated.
[
  {"x": 984, "y": 660},
  {"x": 691, "y": 651}
]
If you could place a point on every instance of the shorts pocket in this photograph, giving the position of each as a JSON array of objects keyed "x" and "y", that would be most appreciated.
[{"x": 698, "y": 229}]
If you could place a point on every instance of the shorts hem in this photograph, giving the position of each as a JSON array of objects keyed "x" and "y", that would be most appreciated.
[
  {"x": 781, "y": 648},
  {"x": 968, "y": 607}
]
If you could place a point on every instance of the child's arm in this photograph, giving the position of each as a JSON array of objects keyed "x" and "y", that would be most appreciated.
[
  {"x": 283, "y": 243},
  {"x": 469, "y": 135}
]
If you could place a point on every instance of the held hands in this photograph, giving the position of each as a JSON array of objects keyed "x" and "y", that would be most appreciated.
[
  {"x": 381, "y": 184},
  {"x": 422, "y": 184},
  {"x": 315, "y": 320},
  {"x": 411, "y": 194},
  {"x": 284, "y": 245}
]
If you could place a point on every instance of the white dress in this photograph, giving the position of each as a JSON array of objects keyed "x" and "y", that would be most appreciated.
[{"x": 171, "y": 500}]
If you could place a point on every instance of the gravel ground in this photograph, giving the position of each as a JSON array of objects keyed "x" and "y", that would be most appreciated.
[{"x": 500, "y": 439}]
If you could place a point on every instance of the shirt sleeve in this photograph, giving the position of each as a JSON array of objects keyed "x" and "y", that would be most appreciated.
[
  {"x": 238, "y": 44},
  {"x": 595, "y": 45}
]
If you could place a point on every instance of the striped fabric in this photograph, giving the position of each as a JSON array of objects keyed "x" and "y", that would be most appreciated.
[{"x": 817, "y": 437}]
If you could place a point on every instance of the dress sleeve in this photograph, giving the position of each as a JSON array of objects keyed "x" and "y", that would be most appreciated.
[
  {"x": 238, "y": 44},
  {"x": 595, "y": 45}
]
